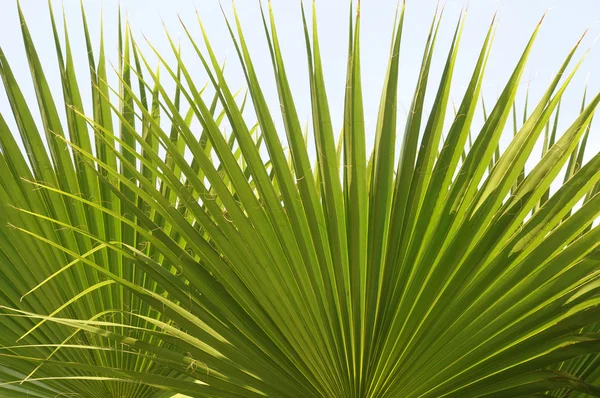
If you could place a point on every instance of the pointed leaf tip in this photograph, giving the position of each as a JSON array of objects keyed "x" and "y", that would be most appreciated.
[
  {"x": 494, "y": 17},
  {"x": 543, "y": 17}
]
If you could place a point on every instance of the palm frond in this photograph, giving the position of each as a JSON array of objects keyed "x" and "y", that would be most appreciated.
[{"x": 165, "y": 242}]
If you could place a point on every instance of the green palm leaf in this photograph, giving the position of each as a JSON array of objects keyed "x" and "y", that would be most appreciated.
[{"x": 166, "y": 243}]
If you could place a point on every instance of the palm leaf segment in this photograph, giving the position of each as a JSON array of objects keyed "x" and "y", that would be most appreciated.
[{"x": 145, "y": 252}]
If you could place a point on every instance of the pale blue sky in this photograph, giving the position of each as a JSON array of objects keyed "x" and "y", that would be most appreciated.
[{"x": 566, "y": 21}]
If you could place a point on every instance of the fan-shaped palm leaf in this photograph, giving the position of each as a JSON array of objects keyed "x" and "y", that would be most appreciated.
[{"x": 144, "y": 252}]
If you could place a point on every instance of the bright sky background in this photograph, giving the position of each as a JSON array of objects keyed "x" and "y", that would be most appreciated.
[{"x": 565, "y": 22}]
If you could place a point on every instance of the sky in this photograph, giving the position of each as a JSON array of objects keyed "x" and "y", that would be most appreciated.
[{"x": 565, "y": 22}]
